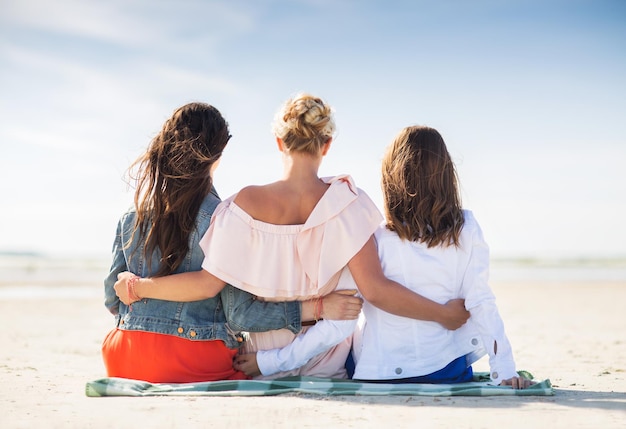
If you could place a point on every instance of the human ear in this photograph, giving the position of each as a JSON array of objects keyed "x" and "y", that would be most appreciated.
[
  {"x": 326, "y": 146},
  {"x": 281, "y": 144}
]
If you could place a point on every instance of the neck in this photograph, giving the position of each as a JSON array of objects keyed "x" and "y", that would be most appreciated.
[{"x": 301, "y": 167}]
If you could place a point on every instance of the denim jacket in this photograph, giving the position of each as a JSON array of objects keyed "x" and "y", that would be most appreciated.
[{"x": 221, "y": 318}]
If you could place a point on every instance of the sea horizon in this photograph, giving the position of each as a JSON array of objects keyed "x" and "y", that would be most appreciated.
[{"x": 35, "y": 275}]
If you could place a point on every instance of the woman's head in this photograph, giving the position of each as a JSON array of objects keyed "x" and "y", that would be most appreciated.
[
  {"x": 304, "y": 123},
  {"x": 189, "y": 143},
  {"x": 174, "y": 176},
  {"x": 420, "y": 188}
]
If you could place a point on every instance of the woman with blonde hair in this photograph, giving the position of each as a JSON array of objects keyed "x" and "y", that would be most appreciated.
[{"x": 300, "y": 237}]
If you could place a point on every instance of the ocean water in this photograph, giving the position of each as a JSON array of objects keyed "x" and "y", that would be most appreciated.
[
  {"x": 559, "y": 270},
  {"x": 41, "y": 277}
]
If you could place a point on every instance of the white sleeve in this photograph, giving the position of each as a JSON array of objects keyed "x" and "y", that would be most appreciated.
[
  {"x": 491, "y": 328},
  {"x": 481, "y": 303},
  {"x": 317, "y": 339}
]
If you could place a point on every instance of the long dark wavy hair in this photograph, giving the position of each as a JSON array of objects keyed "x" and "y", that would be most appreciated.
[
  {"x": 173, "y": 177},
  {"x": 420, "y": 189}
]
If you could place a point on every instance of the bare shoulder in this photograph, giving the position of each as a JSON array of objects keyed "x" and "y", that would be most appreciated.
[
  {"x": 256, "y": 200},
  {"x": 249, "y": 196},
  {"x": 248, "y": 193}
]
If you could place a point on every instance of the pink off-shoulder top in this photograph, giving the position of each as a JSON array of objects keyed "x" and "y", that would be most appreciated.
[{"x": 291, "y": 262}]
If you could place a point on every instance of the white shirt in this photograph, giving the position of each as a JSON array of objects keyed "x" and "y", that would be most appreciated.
[{"x": 390, "y": 347}]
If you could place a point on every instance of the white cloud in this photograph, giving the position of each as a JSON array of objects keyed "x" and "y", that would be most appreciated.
[
  {"x": 134, "y": 23},
  {"x": 100, "y": 20}
]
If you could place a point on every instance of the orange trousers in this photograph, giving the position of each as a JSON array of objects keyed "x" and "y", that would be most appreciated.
[{"x": 160, "y": 358}]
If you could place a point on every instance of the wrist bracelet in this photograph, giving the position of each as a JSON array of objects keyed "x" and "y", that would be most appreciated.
[
  {"x": 130, "y": 288},
  {"x": 318, "y": 308}
]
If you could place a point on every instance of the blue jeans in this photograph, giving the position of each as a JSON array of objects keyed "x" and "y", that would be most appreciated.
[{"x": 456, "y": 371}]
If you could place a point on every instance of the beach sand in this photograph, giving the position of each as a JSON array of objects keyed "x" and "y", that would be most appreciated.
[{"x": 573, "y": 333}]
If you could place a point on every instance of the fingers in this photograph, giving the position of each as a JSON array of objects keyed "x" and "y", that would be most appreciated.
[
  {"x": 517, "y": 382},
  {"x": 346, "y": 291},
  {"x": 246, "y": 363},
  {"x": 354, "y": 304},
  {"x": 508, "y": 382},
  {"x": 457, "y": 313},
  {"x": 342, "y": 305},
  {"x": 123, "y": 274},
  {"x": 353, "y": 308},
  {"x": 239, "y": 362}
]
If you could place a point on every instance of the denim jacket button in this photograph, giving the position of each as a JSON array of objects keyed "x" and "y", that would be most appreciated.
[
  {"x": 192, "y": 333},
  {"x": 180, "y": 330}
]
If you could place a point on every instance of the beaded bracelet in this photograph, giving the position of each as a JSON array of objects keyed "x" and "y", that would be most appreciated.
[
  {"x": 130, "y": 288},
  {"x": 318, "y": 309}
]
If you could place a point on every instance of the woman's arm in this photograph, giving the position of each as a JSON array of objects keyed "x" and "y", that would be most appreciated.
[
  {"x": 183, "y": 287},
  {"x": 198, "y": 285},
  {"x": 118, "y": 265},
  {"x": 395, "y": 298},
  {"x": 481, "y": 303},
  {"x": 317, "y": 339},
  {"x": 337, "y": 305},
  {"x": 245, "y": 312}
]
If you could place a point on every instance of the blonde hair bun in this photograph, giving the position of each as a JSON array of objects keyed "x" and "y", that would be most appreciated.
[{"x": 304, "y": 123}]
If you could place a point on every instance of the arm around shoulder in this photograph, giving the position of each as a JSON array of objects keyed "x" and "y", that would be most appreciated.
[
  {"x": 183, "y": 287},
  {"x": 244, "y": 312},
  {"x": 394, "y": 298}
]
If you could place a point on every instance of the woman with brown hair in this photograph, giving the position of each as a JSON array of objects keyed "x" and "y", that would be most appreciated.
[
  {"x": 162, "y": 340},
  {"x": 435, "y": 248}
]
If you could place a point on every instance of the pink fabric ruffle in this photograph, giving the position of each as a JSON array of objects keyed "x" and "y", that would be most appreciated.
[{"x": 291, "y": 262}]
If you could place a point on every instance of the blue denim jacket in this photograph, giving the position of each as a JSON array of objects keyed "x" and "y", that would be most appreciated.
[{"x": 221, "y": 318}]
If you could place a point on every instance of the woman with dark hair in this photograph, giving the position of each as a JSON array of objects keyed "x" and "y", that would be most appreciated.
[{"x": 162, "y": 340}]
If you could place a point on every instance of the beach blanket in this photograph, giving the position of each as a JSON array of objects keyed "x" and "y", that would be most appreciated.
[{"x": 309, "y": 385}]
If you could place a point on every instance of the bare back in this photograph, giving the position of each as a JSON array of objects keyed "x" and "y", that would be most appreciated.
[{"x": 282, "y": 202}]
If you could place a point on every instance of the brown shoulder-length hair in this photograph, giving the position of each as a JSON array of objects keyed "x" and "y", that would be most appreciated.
[
  {"x": 420, "y": 188},
  {"x": 173, "y": 177}
]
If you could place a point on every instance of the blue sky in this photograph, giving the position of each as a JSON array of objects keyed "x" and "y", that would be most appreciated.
[{"x": 530, "y": 97}]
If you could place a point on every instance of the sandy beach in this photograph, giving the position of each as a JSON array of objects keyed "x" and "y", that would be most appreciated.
[{"x": 572, "y": 332}]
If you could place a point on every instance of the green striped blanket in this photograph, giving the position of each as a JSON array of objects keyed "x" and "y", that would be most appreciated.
[{"x": 311, "y": 385}]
